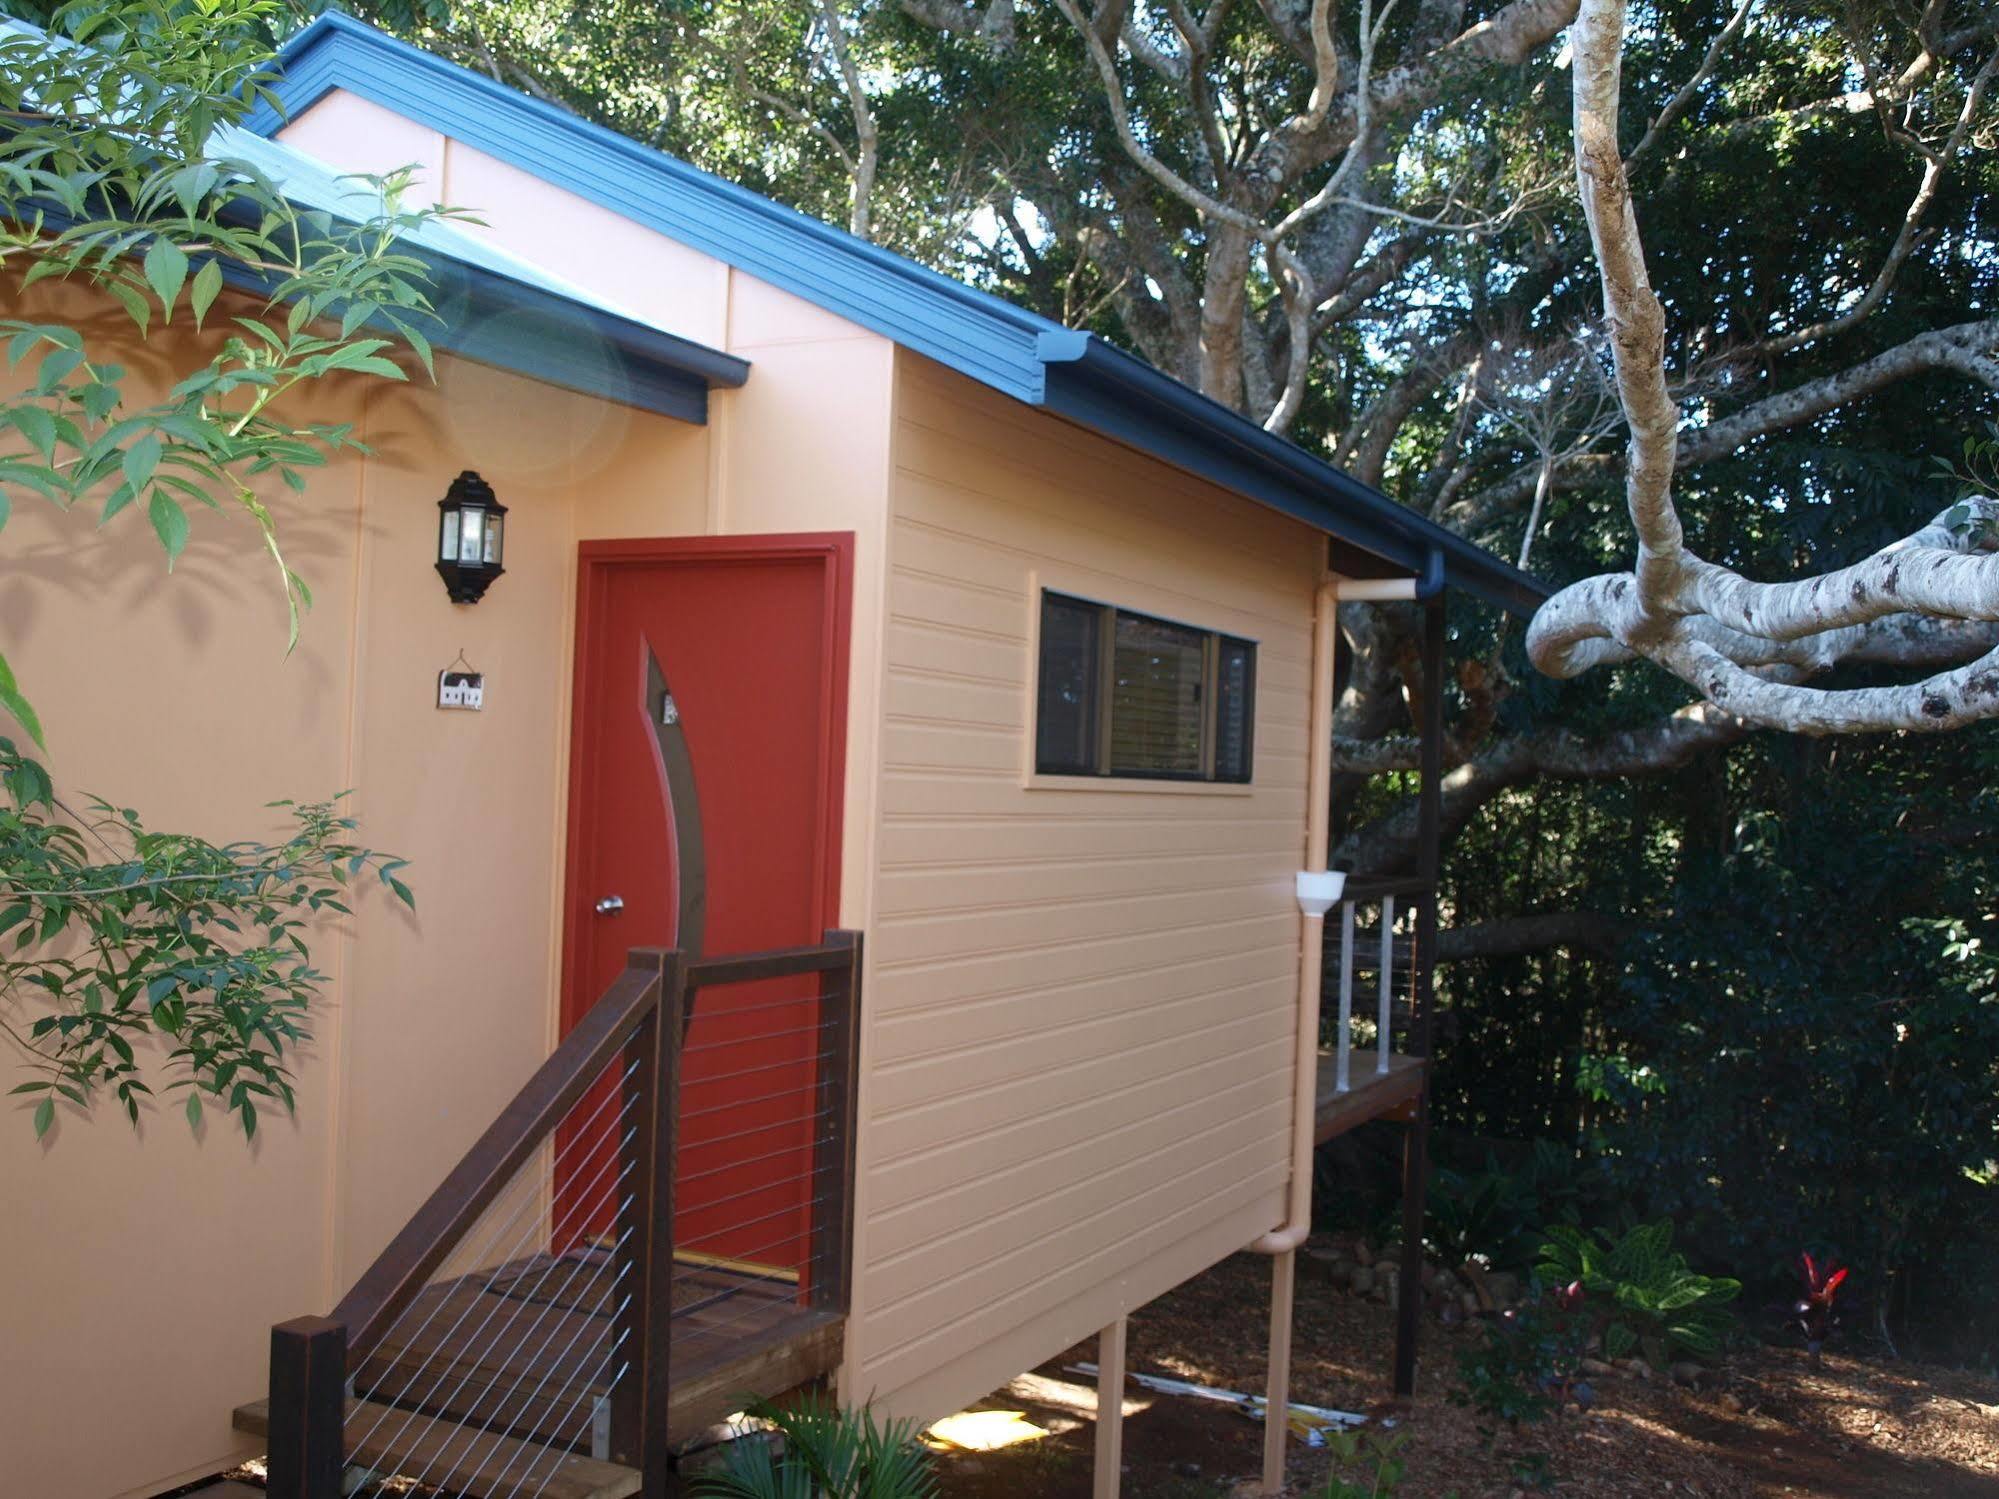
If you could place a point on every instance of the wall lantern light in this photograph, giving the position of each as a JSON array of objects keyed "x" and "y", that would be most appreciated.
[{"x": 469, "y": 538}]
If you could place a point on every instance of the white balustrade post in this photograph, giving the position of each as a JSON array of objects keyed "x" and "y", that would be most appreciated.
[
  {"x": 1341, "y": 1081},
  {"x": 1387, "y": 982}
]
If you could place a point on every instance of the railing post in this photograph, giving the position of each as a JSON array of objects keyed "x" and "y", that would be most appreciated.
[
  {"x": 1385, "y": 1020},
  {"x": 1343, "y": 1048},
  {"x": 833, "y": 1147},
  {"x": 642, "y": 1318},
  {"x": 308, "y": 1408}
]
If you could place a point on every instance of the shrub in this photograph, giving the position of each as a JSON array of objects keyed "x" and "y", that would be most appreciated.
[
  {"x": 822, "y": 1452},
  {"x": 1643, "y": 1292},
  {"x": 1498, "y": 1214},
  {"x": 1524, "y": 1366},
  {"x": 1366, "y": 1464}
]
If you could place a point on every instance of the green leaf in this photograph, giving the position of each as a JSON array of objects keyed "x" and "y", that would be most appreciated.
[
  {"x": 39, "y": 427},
  {"x": 140, "y": 460},
  {"x": 165, "y": 266},
  {"x": 169, "y": 523},
  {"x": 18, "y": 707},
  {"x": 207, "y": 285},
  {"x": 193, "y": 1109},
  {"x": 45, "y": 1115}
]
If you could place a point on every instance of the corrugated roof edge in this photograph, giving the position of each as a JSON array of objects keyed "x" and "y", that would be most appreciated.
[{"x": 1008, "y": 348}]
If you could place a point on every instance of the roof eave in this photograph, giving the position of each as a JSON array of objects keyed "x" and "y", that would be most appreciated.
[{"x": 1101, "y": 387}]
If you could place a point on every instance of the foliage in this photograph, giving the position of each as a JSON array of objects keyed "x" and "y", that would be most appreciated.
[
  {"x": 118, "y": 936},
  {"x": 826, "y": 1453},
  {"x": 1366, "y": 1464},
  {"x": 1497, "y": 1214},
  {"x": 1524, "y": 1365},
  {"x": 1642, "y": 1291},
  {"x": 115, "y": 173}
]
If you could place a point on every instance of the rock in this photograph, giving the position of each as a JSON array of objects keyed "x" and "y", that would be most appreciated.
[
  {"x": 1362, "y": 1253},
  {"x": 1474, "y": 1274},
  {"x": 1450, "y": 1314},
  {"x": 1187, "y": 1470},
  {"x": 1731, "y": 1401},
  {"x": 1361, "y": 1281},
  {"x": 1470, "y": 1302},
  {"x": 1340, "y": 1272},
  {"x": 1688, "y": 1373},
  {"x": 1637, "y": 1366},
  {"x": 1504, "y": 1286},
  {"x": 1596, "y": 1367}
]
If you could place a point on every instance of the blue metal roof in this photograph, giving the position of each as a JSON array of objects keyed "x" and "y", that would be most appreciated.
[
  {"x": 502, "y": 310},
  {"x": 1008, "y": 348},
  {"x": 492, "y": 306}
]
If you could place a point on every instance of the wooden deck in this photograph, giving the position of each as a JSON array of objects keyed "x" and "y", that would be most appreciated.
[
  {"x": 1371, "y": 1095},
  {"x": 516, "y": 1365}
]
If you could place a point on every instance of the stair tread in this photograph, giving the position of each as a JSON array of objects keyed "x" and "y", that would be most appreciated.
[{"x": 466, "y": 1460}]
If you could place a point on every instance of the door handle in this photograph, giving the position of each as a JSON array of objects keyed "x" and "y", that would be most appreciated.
[{"x": 610, "y": 905}]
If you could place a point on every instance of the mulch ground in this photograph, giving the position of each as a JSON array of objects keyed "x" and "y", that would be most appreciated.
[{"x": 1765, "y": 1423}]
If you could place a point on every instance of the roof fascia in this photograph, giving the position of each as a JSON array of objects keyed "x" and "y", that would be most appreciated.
[{"x": 1104, "y": 388}]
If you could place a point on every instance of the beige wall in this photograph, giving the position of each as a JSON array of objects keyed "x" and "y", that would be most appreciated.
[
  {"x": 1082, "y": 1014},
  {"x": 146, "y": 1271},
  {"x": 1080, "y": 1002},
  {"x": 803, "y": 446}
]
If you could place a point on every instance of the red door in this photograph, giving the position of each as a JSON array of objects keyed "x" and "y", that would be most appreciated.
[{"x": 705, "y": 814}]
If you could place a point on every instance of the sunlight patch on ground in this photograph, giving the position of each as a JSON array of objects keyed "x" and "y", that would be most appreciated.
[
  {"x": 1063, "y": 1394},
  {"x": 984, "y": 1431}
]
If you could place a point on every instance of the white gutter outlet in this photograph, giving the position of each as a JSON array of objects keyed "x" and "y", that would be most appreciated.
[{"x": 1319, "y": 890}]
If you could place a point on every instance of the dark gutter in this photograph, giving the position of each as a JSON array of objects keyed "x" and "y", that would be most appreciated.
[{"x": 1102, "y": 387}]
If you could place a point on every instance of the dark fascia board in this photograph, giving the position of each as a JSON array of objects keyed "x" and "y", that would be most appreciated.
[
  {"x": 532, "y": 331},
  {"x": 1007, "y": 348},
  {"x": 1101, "y": 387},
  {"x": 496, "y": 320}
]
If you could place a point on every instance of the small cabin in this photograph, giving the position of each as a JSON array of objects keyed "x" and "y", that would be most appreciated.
[{"x": 868, "y": 931}]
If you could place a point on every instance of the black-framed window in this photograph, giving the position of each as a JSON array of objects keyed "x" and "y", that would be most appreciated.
[{"x": 1120, "y": 693}]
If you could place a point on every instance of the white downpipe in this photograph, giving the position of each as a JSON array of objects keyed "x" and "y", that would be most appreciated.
[
  {"x": 1311, "y": 935},
  {"x": 1387, "y": 983}
]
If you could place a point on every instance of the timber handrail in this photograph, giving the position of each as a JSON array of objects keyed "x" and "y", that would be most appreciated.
[
  {"x": 401, "y": 1271},
  {"x": 1368, "y": 889},
  {"x": 836, "y": 952}
]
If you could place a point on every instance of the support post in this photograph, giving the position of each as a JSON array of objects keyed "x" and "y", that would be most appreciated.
[
  {"x": 642, "y": 1301},
  {"x": 1277, "y": 1392},
  {"x": 1415, "y": 1153},
  {"x": 308, "y": 1408},
  {"x": 830, "y": 1274},
  {"x": 1109, "y": 1471}
]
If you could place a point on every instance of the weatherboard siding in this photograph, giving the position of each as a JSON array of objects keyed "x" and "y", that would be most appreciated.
[{"x": 1082, "y": 1002}]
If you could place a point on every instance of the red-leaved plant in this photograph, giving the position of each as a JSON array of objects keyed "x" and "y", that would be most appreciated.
[{"x": 1814, "y": 1311}]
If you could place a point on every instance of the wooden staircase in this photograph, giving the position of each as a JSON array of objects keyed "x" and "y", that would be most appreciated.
[{"x": 575, "y": 1371}]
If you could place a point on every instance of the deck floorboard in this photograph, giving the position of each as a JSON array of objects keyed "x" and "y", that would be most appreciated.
[{"x": 1371, "y": 1093}]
